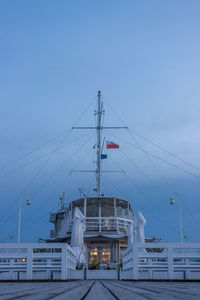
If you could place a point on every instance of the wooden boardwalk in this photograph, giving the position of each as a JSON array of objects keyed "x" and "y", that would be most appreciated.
[{"x": 99, "y": 289}]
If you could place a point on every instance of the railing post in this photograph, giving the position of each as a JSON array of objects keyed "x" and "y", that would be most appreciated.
[
  {"x": 170, "y": 262},
  {"x": 64, "y": 262},
  {"x": 29, "y": 263},
  {"x": 150, "y": 273},
  {"x": 11, "y": 269},
  {"x": 187, "y": 271},
  {"x": 135, "y": 262}
]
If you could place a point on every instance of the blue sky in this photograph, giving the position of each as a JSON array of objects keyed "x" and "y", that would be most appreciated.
[{"x": 144, "y": 56}]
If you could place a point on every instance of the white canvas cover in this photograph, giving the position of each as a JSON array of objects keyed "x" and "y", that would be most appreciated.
[{"x": 77, "y": 238}]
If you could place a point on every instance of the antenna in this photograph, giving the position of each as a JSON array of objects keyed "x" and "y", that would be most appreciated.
[
  {"x": 98, "y": 129},
  {"x": 62, "y": 198}
]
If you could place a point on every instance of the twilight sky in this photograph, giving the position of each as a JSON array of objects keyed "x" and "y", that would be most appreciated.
[{"x": 144, "y": 56}]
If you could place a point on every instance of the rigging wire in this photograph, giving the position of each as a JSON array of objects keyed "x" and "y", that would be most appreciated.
[
  {"x": 159, "y": 191},
  {"x": 132, "y": 132},
  {"x": 159, "y": 158},
  {"x": 61, "y": 166},
  {"x": 165, "y": 150},
  {"x": 44, "y": 215},
  {"x": 135, "y": 165},
  {"x": 148, "y": 140},
  {"x": 39, "y": 158},
  {"x": 50, "y": 140},
  {"x": 145, "y": 175},
  {"x": 37, "y": 173},
  {"x": 31, "y": 152},
  {"x": 166, "y": 181},
  {"x": 51, "y": 155}
]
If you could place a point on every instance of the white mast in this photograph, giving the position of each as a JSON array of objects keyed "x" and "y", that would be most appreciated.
[
  {"x": 98, "y": 128},
  {"x": 98, "y": 170}
]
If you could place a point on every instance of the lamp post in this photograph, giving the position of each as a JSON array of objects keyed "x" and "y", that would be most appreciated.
[
  {"x": 172, "y": 201},
  {"x": 28, "y": 202}
]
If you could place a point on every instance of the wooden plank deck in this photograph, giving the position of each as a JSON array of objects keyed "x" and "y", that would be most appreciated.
[{"x": 99, "y": 289}]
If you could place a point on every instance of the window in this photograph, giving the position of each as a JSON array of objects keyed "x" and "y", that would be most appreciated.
[
  {"x": 92, "y": 207},
  {"x": 107, "y": 207}
]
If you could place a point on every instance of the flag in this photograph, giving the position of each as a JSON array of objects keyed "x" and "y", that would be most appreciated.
[
  {"x": 103, "y": 156},
  {"x": 111, "y": 145}
]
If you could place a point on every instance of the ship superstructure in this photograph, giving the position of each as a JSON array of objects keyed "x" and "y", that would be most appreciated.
[{"x": 106, "y": 218}]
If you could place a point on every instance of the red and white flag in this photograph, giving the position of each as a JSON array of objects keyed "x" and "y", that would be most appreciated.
[{"x": 111, "y": 145}]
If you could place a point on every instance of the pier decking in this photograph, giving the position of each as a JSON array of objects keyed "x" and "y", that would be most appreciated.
[{"x": 99, "y": 289}]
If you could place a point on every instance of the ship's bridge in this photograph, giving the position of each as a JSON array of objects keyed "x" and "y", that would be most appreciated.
[
  {"x": 104, "y": 214},
  {"x": 106, "y": 222}
]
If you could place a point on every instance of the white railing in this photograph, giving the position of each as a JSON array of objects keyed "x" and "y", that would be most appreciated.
[
  {"x": 36, "y": 261},
  {"x": 105, "y": 224},
  {"x": 101, "y": 274},
  {"x": 161, "y": 261}
]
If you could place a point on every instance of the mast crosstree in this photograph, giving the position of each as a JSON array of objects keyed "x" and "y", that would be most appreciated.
[{"x": 99, "y": 129}]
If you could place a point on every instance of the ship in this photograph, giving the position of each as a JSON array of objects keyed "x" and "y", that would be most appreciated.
[{"x": 107, "y": 219}]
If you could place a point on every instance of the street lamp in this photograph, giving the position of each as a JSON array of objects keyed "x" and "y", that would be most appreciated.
[
  {"x": 172, "y": 201},
  {"x": 28, "y": 203}
]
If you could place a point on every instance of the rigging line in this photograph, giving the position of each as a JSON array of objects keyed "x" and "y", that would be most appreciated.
[
  {"x": 75, "y": 189},
  {"x": 161, "y": 159},
  {"x": 62, "y": 165},
  {"x": 50, "y": 140},
  {"x": 70, "y": 173},
  {"x": 147, "y": 197},
  {"x": 173, "y": 191},
  {"x": 43, "y": 203},
  {"x": 35, "y": 221},
  {"x": 120, "y": 170},
  {"x": 51, "y": 176},
  {"x": 90, "y": 185},
  {"x": 38, "y": 171},
  {"x": 165, "y": 150},
  {"x": 85, "y": 110},
  {"x": 35, "y": 150},
  {"x": 143, "y": 191},
  {"x": 191, "y": 215},
  {"x": 39, "y": 158},
  {"x": 150, "y": 182},
  {"x": 146, "y": 176},
  {"x": 154, "y": 165},
  {"x": 165, "y": 180},
  {"x": 105, "y": 186},
  {"x": 47, "y": 200},
  {"x": 68, "y": 185},
  {"x": 148, "y": 140},
  {"x": 68, "y": 132},
  {"x": 124, "y": 177},
  {"x": 135, "y": 165},
  {"x": 38, "y": 219},
  {"x": 23, "y": 166},
  {"x": 111, "y": 183}
]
